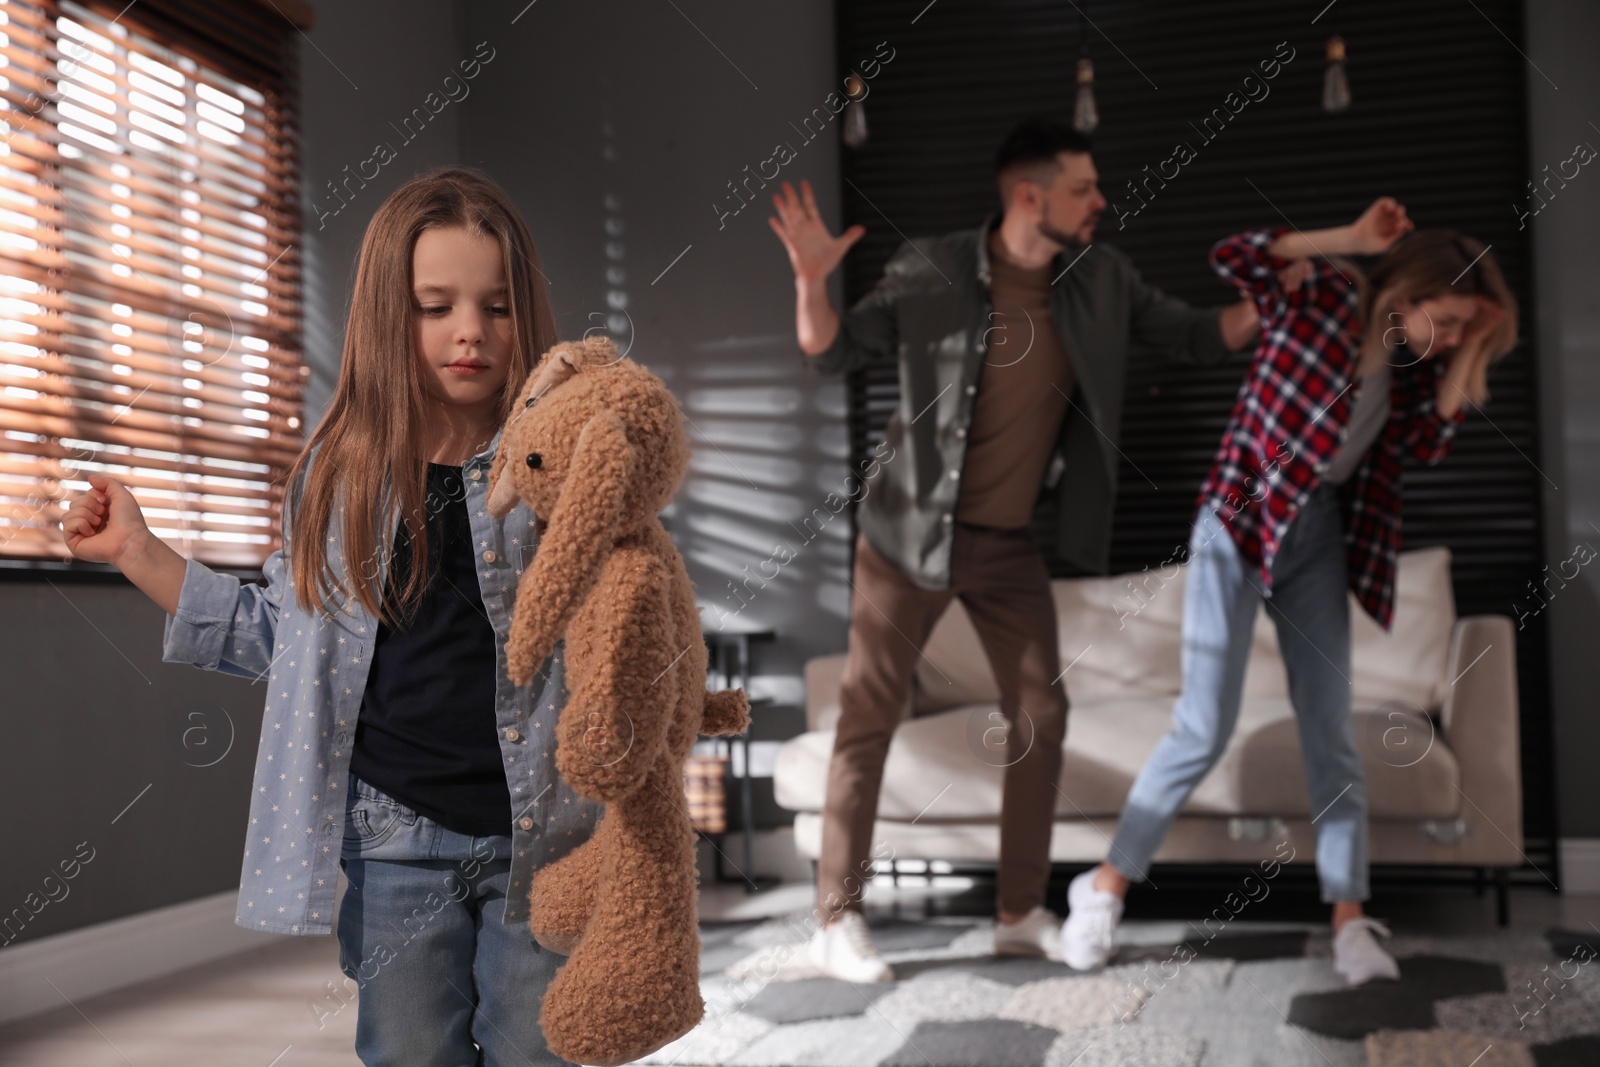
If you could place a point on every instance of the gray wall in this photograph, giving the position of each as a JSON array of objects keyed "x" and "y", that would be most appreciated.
[
  {"x": 95, "y": 722},
  {"x": 1561, "y": 39},
  {"x": 617, "y": 126},
  {"x": 366, "y": 69}
]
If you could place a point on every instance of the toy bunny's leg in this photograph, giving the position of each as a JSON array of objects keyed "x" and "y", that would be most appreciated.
[
  {"x": 633, "y": 983},
  {"x": 563, "y": 894}
]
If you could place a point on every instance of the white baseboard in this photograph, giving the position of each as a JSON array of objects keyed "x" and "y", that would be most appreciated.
[
  {"x": 1580, "y": 865},
  {"x": 111, "y": 955}
]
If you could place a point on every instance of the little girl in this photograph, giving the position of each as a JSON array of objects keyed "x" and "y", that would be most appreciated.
[
  {"x": 1303, "y": 503},
  {"x": 393, "y": 740}
]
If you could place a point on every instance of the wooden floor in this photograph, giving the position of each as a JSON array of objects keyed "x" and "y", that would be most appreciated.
[
  {"x": 249, "y": 1010},
  {"x": 256, "y": 1009},
  {"x": 271, "y": 1007}
]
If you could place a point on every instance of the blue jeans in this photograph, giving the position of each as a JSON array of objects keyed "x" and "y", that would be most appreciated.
[
  {"x": 1311, "y": 610},
  {"x": 442, "y": 981}
]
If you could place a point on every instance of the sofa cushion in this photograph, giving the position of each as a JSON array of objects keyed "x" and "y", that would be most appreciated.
[
  {"x": 1408, "y": 663},
  {"x": 1117, "y": 637},
  {"x": 1121, "y": 636},
  {"x": 1410, "y": 771},
  {"x": 1126, "y": 635},
  {"x": 944, "y": 766},
  {"x": 823, "y": 677},
  {"x": 941, "y": 767}
]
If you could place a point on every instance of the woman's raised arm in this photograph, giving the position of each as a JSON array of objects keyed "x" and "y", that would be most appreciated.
[{"x": 1380, "y": 226}]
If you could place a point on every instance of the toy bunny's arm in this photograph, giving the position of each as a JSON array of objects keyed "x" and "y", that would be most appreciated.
[
  {"x": 726, "y": 713},
  {"x": 611, "y": 731}
]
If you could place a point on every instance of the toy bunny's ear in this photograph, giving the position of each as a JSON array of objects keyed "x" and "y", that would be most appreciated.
[
  {"x": 595, "y": 350},
  {"x": 576, "y": 544},
  {"x": 558, "y": 364},
  {"x": 502, "y": 492},
  {"x": 561, "y": 364}
]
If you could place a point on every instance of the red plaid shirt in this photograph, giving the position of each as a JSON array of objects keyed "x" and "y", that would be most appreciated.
[{"x": 1291, "y": 415}]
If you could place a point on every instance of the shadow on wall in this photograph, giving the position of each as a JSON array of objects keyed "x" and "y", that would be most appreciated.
[{"x": 763, "y": 527}]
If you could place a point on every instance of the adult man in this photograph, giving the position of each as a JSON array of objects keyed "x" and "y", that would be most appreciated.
[{"x": 1012, "y": 346}]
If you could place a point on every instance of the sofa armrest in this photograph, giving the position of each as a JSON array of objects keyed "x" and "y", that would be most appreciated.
[
  {"x": 823, "y": 674},
  {"x": 1481, "y": 723}
]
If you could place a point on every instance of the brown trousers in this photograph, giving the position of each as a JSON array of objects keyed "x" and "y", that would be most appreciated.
[{"x": 1004, "y": 584}]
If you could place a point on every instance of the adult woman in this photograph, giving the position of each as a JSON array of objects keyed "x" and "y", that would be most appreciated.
[{"x": 1352, "y": 374}]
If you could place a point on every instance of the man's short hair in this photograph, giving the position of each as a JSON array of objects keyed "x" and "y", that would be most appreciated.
[{"x": 1030, "y": 150}]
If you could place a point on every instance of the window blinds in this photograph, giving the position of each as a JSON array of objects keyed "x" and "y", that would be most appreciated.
[{"x": 149, "y": 271}]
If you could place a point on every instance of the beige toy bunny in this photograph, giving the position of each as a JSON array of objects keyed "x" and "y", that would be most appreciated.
[{"x": 596, "y": 447}]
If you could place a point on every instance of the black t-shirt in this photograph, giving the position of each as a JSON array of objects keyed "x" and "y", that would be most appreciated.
[{"x": 426, "y": 733}]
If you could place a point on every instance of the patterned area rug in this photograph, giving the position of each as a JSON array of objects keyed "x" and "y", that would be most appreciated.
[{"x": 1249, "y": 996}]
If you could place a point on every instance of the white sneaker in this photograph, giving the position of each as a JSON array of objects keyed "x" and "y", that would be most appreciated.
[
  {"x": 844, "y": 949},
  {"x": 1357, "y": 955},
  {"x": 1037, "y": 933},
  {"x": 1089, "y": 936}
]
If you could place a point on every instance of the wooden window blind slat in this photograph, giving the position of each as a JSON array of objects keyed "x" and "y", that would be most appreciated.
[
  {"x": 222, "y": 476},
  {"x": 148, "y": 223},
  {"x": 149, "y": 269},
  {"x": 22, "y": 268},
  {"x": 91, "y": 73},
  {"x": 101, "y": 76},
  {"x": 140, "y": 198}
]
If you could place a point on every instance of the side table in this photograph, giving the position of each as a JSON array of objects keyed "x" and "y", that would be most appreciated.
[{"x": 728, "y": 665}]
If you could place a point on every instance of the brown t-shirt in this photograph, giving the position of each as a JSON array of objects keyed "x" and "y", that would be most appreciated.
[{"x": 1022, "y": 396}]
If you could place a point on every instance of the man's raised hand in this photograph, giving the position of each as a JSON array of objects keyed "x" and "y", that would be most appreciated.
[{"x": 813, "y": 251}]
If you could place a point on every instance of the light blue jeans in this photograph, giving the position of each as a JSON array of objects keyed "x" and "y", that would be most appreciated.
[
  {"x": 442, "y": 981},
  {"x": 1310, "y": 608}
]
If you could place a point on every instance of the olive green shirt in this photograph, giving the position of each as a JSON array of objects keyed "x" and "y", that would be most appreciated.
[{"x": 929, "y": 315}]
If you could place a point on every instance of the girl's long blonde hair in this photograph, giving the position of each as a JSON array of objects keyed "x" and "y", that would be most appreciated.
[
  {"x": 368, "y": 440},
  {"x": 1432, "y": 263}
]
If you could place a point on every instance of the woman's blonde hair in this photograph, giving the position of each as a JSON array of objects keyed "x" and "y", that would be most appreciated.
[
  {"x": 1423, "y": 265},
  {"x": 368, "y": 439}
]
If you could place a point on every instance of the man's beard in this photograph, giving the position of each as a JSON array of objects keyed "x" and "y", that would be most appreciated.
[{"x": 1061, "y": 237}]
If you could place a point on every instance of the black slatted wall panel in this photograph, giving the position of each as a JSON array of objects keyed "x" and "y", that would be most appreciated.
[{"x": 1438, "y": 121}]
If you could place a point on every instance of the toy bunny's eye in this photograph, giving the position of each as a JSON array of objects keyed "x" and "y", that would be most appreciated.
[
  {"x": 529, "y": 402},
  {"x": 535, "y": 461}
]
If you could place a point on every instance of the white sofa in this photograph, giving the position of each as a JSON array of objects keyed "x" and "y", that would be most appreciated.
[{"x": 1436, "y": 720}]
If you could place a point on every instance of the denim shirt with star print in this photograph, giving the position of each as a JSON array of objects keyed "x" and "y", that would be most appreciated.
[{"x": 315, "y": 667}]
